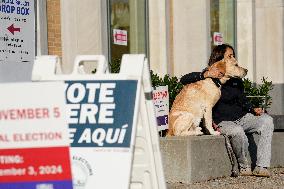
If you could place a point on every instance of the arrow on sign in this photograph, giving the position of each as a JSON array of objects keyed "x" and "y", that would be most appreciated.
[
  {"x": 12, "y": 29},
  {"x": 120, "y": 36}
]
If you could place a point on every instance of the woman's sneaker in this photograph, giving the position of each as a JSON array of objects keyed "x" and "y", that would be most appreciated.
[
  {"x": 245, "y": 171},
  {"x": 261, "y": 172}
]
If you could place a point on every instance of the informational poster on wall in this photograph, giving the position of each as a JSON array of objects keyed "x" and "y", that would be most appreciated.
[
  {"x": 120, "y": 37},
  {"x": 218, "y": 38},
  {"x": 34, "y": 139},
  {"x": 101, "y": 115},
  {"x": 17, "y": 33},
  {"x": 161, "y": 103}
]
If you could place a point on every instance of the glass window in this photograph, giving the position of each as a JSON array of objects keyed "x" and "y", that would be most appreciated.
[
  {"x": 222, "y": 19},
  {"x": 127, "y": 28}
]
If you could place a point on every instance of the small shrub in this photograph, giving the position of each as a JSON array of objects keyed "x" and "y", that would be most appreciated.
[
  {"x": 259, "y": 90},
  {"x": 155, "y": 79},
  {"x": 115, "y": 65}
]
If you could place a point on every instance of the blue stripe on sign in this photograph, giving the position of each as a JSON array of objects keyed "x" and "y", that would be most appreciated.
[
  {"x": 66, "y": 184},
  {"x": 162, "y": 120}
]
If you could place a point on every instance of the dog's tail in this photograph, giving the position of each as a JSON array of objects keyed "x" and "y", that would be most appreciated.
[
  {"x": 170, "y": 131},
  {"x": 172, "y": 119}
]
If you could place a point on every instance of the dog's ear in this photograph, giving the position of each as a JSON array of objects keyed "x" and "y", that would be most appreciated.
[{"x": 220, "y": 66}]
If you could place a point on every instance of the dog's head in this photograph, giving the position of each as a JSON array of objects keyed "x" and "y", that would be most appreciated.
[{"x": 230, "y": 68}]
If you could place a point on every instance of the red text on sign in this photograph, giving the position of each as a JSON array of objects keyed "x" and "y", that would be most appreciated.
[{"x": 26, "y": 113}]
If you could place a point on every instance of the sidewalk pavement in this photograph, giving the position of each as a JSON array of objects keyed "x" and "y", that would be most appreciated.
[{"x": 276, "y": 181}]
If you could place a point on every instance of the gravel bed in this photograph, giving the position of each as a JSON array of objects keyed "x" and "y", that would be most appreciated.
[{"x": 276, "y": 181}]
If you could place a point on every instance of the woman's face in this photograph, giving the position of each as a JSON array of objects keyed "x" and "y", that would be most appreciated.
[{"x": 229, "y": 53}]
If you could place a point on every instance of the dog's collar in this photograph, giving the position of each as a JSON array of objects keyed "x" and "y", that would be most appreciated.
[{"x": 217, "y": 82}]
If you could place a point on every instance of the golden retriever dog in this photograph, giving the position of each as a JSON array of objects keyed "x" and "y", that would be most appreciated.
[{"x": 196, "y": 100}]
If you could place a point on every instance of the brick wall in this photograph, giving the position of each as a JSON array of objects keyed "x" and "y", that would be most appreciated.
[{"x": 54, "y": 28}]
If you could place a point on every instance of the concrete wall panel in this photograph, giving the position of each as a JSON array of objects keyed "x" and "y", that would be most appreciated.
[
  {"x": 190, "y": 36},
  {"x": 82, "y": 30}
]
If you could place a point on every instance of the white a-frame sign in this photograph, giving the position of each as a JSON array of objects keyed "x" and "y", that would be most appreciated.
[{"x": 112, "y": 125}]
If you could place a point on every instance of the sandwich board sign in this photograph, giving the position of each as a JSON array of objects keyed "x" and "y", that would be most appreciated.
[
  {"x": 112, "y": 125},
  {"x": 34, "y": 144},
  {"x": 161, "y": 103}
]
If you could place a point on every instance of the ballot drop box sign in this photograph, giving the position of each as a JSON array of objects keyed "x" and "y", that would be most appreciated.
[
  {"x": 100, "y": 114},
  {"x": 34, "y": 144}
]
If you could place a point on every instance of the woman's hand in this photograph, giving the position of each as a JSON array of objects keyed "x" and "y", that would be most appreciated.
[
  {"x": 213, "y": 72},
  {"x": 258, "y": 111},
  {"x": 216, "y": 127}
]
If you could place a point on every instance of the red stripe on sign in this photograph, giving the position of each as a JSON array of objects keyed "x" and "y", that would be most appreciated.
[{"x": 35, "y": 164}]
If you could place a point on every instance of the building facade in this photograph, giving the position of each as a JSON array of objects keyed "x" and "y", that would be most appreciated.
[{"x": 176, "y": 36}]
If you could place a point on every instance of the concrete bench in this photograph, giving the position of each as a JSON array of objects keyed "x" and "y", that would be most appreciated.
[
  {"x": 200, "y": 158},
  {"x": 278, "y": 122}
]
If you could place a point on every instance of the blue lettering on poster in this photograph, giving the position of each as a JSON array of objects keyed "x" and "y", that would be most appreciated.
[
  {"x": 20, "y": 7},
  {"x": 100, "y": 113}
]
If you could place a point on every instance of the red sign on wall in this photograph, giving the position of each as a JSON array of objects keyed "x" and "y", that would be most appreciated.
[
  {"x": 120, "y": 37},
  {"x": 218, "y": 38}
]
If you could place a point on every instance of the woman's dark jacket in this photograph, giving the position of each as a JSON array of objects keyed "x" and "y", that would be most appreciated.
[{"x": 233, "y": 103}]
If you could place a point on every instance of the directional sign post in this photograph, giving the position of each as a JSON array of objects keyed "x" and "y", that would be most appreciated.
[
  {"x": 17, "y": 32},
  {"x": 161, "y": 103}
]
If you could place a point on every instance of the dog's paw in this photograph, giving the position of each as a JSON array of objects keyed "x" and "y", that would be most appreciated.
[
  {"x": 215, "y": 133},
  {"x": 198, "y": 133}
]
